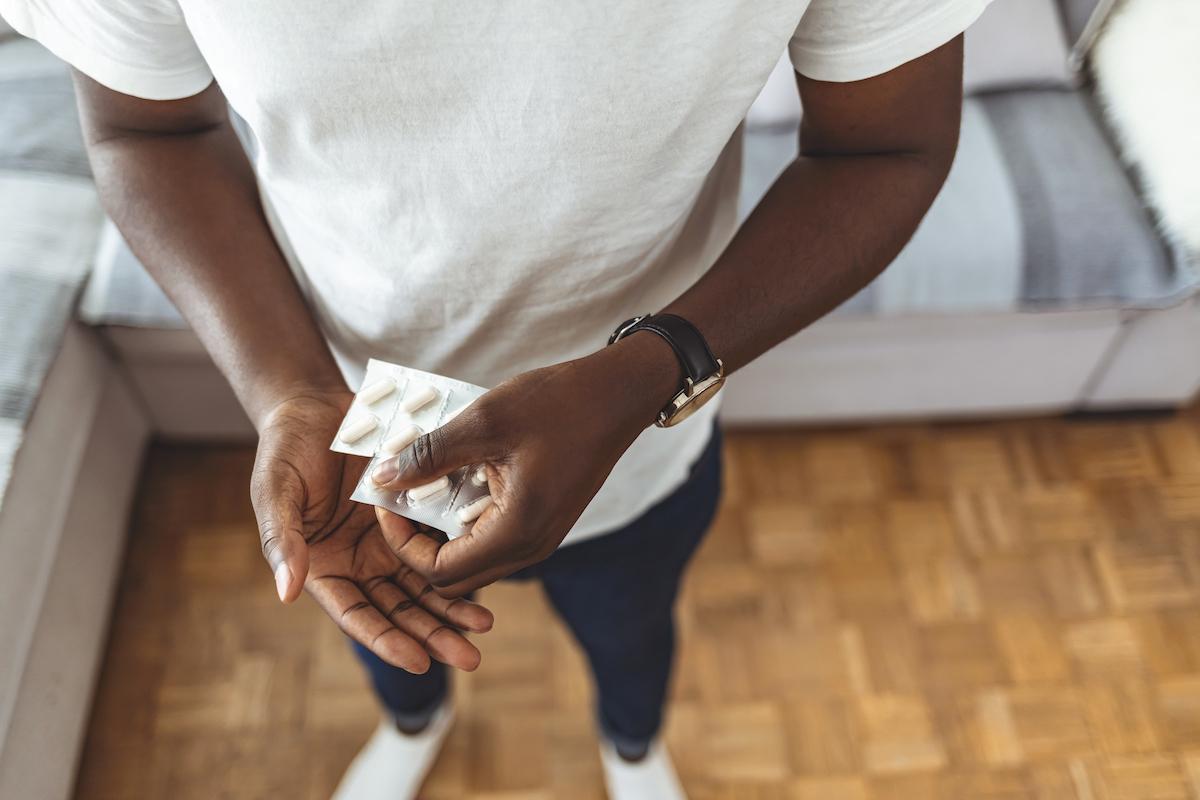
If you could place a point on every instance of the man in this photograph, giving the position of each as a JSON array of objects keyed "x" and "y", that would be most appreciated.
[{"x": 487, "y": 191}]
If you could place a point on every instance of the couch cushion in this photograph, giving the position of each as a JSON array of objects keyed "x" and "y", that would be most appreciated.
[
  {"x": 41, "y": 128},
  {"x": 49, "y": 220},
  {"x": 38, "y": 118},
  {"x": 121, "y": 292},
  {"x": 966, "y": 255},
  {"x": 1087, "y": 237},
  {"x": 1015, "y": 44},
  {"x": 1036, "y": 214}
]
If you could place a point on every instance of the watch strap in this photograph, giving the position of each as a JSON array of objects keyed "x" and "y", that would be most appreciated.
[{"x": 689, "y": 346}]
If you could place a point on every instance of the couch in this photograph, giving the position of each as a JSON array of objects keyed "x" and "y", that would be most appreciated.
[
  {"x": 1055, "y": 273},
  {"x": 1038, "y": 282},
  {"x": 72, "y": 433}
]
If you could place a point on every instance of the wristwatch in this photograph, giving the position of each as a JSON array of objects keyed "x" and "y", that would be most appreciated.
[{"x": 703, "y": 373}]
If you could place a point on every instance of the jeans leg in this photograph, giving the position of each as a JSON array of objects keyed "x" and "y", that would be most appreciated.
[
  {"x": 617, "y": 594},
  {"x": 411, "y": 699}
]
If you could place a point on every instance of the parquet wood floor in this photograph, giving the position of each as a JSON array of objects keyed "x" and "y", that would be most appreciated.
[{"x": 1005, "y": 610}]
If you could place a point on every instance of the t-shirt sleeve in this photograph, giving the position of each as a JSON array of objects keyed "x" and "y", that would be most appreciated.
[
  {"x": 137, "y": 47},
  {"x": 851, "y": 40}
]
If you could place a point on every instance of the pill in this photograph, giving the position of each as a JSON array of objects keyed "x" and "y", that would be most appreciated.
[
  {"x": 357, "y": 430},
  {"x": 417, "y": 399},
  {"x": 479, "y": 477},
  {"x": 471, "y": 511},
  {"x": 377, "y": 391},
  {"x": 423, "y": 494},
  {"x": 394, "y": 444}
]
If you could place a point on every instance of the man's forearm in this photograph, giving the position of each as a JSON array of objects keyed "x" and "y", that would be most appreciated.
[
  {"x": 826, "y": 228},
  {"x": 873, "y": 157},
  {"x": 188, "y": 205}
]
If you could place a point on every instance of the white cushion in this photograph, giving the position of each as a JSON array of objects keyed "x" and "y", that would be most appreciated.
[{"x": 1147, "y": 69}]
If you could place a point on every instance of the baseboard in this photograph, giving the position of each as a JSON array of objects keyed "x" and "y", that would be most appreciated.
[{"x": 1121, "y": 415}]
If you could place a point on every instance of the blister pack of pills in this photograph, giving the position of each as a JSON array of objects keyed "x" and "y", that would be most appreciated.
[{"x": 393, "y": 408}]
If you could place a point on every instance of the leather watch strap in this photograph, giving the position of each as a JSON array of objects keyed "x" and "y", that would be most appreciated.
[{"x": 693, "y": 352}]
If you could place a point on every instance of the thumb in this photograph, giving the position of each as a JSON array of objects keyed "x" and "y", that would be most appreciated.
[
  {"x": 431, "y": 456},
  {"x": 284, "y": 548}
]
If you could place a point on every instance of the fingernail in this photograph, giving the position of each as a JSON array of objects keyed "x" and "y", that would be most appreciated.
[
  {"x": 386, "y": 472},
  {"x": 283, "y": 579}
]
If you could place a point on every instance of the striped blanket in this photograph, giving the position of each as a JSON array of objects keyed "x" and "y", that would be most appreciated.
[
  {"x": 49, "y": 220},
  {"x": 1037, "y": 215}
]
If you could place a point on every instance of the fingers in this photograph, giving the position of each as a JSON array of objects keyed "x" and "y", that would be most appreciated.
[
  {"x": 284, "y": 548},
  {"x": 473, "y": 561},
  {"x": 391, "y": 624},
  {"x": 438, "y": 639},
  {"x": 345, "y": 603},
  {"x": 497, "y": 545},
  {"x": 415, "y": 549},
  {"x": 458, "y": 611},
  {"x": 491, "y": 551},
  {"x": 422, "y": 551},
  {"x": 441, "y": 451}
]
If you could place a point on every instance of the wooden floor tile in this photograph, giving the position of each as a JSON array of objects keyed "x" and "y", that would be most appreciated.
[{"x": 1005, "y": 610}]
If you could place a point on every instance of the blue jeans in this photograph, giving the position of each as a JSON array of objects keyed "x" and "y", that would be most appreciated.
[{"x": 617, "y": 595}]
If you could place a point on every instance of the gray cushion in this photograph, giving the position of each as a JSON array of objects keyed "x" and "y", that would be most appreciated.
[
  {"x": 1037, "y": 214},
  {"x": 34, "y": 310},
  {"x": 121, "y": 292},
  {"x": 1088, "y": 238},
  {"x": 50, "y": 218},
  {"x": 39, "y": 127}
]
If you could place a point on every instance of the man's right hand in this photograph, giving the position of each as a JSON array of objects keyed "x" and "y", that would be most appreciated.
[
  {"x": 175, "y": 179},
  {"x": 315, "y": 537}
]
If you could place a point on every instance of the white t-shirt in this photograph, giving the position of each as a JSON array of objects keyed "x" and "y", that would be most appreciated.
[{"x": 480, "y": 188}]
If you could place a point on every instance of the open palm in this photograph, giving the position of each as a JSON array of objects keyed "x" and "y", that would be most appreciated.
[{"x": 314, "y": 536}]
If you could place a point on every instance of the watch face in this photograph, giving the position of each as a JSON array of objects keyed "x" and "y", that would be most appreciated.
[{"x": 690, "y": 405}]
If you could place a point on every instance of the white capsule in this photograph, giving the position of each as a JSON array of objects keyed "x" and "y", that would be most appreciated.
[
  {"x": 394, "y": 444},
  {"x": 377, "y": 391},
  {"x": 479, "y": 477},
  {"x": 417, "y": 399},
  {"x": 423, "y": 494},
  {"x": 357, "y": 430},
  {"x": 471, "y": 511}
]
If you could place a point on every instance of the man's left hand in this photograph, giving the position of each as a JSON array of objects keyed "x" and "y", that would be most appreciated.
[{"x": 549, "y": 439}]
